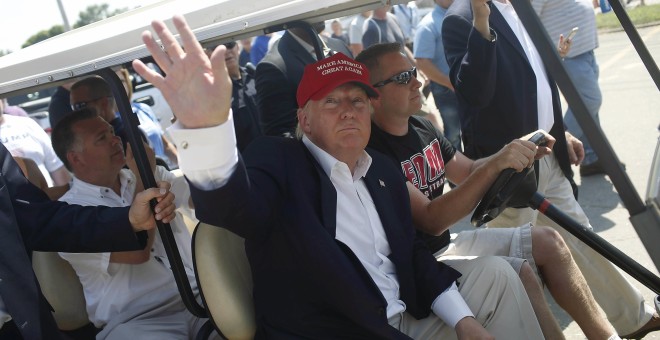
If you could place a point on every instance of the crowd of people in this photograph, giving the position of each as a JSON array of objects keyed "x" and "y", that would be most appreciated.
[{"x": 330, "y": 168}]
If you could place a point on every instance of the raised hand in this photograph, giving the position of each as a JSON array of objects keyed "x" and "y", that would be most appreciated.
[
  {"x": 481, "y": 12},
  {"x": 197, "y": 88},
  {"x": 564, "y": 46}
]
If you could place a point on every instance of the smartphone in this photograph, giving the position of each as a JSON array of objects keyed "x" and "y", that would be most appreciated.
[{"x": 572, "y": 33}]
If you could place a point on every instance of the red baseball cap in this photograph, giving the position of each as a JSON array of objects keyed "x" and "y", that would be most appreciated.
[{"x": 324, "y": 76}]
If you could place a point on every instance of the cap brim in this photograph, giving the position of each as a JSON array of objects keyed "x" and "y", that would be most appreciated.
[{"x": 371, "y": 92}]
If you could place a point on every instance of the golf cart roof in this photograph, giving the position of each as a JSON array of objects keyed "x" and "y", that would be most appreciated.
[{"x": 117, "y": 40}]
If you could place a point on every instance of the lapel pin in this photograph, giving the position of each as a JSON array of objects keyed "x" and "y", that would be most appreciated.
[{"x": 382, "y": 184}]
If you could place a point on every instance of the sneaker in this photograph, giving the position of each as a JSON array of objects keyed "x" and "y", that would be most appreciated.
[
  {"x": 594, "y": 168},
  {"x": 591, "y": 169}
]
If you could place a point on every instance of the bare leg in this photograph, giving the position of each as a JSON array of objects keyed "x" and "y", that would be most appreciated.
[
  {"x": 548, "y": 322},
  {"x": 566, "y": 283}
]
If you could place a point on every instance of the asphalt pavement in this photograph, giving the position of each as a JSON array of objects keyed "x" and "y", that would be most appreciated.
[{"x": 629, "y": 117}]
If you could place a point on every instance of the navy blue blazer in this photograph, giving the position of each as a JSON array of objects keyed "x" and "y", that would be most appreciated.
[
  {"x": 307, "y": 284},
  {"x": 495, "y": 85},
  {"x": 30, "y": 221},
  {"x": 277, "y": 78}
]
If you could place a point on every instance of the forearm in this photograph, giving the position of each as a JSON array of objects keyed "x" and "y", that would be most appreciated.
[
  {"x": 472, "y": 60},
  {"x": 449, "y": 208},
  {"x": 136, "y": 256},
  {"x": 60, "y": 176}
]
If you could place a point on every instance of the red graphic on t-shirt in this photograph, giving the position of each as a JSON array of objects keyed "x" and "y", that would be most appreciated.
[{"x": 426, "y": 171}]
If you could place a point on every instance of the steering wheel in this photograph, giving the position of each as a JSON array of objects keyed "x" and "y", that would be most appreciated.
[{"x": 510, "y": 189}]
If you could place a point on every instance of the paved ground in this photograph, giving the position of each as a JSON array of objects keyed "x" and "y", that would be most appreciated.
[{"x": 630, "y": 120}]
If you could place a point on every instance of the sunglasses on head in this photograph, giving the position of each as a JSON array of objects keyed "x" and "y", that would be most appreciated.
[{"x": 402, "y": 78}]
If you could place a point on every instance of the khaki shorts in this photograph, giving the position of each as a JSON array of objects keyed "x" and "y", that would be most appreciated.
[{"x": 512, "y": 244}]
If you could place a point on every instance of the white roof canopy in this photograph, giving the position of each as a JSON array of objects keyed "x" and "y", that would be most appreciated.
[{"x": 117, "y": 40}]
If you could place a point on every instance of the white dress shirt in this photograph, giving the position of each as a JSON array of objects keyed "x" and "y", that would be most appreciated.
[
  {"x": 544, "y": 93},
  {"x": 354, "y": 207},
  {"x": 113, "y": 288}
]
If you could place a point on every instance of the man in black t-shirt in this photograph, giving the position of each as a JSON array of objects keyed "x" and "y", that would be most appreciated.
[{"x": 427, "y": 159}]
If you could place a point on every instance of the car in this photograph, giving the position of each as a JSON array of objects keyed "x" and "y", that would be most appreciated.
[{"x": 36, "y": 105}]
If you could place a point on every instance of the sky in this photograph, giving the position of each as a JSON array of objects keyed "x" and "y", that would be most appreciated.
[{"x": 23, "y": 18}]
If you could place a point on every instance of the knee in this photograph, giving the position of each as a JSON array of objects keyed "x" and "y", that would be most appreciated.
[
  {"x": 528, "y": 276},
  {"x": 496, "y": 266},
  {"x": 548, "y": 243}
]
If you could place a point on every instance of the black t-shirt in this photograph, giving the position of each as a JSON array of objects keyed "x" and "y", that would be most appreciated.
[{"x": 421, "y": 154}]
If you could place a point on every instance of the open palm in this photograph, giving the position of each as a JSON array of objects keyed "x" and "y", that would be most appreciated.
[{"x": 198, "y": 89}]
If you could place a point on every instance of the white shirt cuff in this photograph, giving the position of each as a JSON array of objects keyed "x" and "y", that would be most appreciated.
[
  {"x": 207, "y": 156},
  {"x": 451, "y": 307}
]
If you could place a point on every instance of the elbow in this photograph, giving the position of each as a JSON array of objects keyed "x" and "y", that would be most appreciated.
[
  {"x": 139, "y": 258},
  {"x": 131, "y": 257},
  {"x": 432, "y": 227}
]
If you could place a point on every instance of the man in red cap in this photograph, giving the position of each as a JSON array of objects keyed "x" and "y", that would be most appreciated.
[{"x": 327, "y": 224}]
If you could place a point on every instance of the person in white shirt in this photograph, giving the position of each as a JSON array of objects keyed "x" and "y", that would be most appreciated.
[
  {"x": 23, "y": 137},
  {"x": 332, "y": 253},
  {"x": 356, "y": 31},
  {"x": 128, "y": 294}
]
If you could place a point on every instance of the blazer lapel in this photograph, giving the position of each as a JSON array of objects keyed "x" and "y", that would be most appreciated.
[
  {"x": 381, "y": 196},
  {"x": 328, "y": 196}
]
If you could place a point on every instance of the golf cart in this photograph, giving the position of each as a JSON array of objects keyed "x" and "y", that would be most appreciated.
[{"x": 222, "y": 270}]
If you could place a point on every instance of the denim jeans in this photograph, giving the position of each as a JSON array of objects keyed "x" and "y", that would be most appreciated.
[
  {"x": 584, "y": 72},
  {"x": 446, "y": 102}
]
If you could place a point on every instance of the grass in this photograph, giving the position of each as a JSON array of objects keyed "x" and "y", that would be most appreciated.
[{"x": 640, "y": 15}]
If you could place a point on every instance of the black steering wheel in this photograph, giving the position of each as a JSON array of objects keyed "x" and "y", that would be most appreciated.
[{"x": 510, "y": 189}]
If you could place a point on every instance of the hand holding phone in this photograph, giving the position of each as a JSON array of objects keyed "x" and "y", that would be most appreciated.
[{"x": 565, "y": 42}]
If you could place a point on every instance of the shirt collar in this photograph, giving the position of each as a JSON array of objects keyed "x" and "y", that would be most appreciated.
[
  {"x": 439, "y": 10},
  {"x": 328, "y": 162},
  {"x": 502, "y": 6},
  {"x": 126, "y": 178}
]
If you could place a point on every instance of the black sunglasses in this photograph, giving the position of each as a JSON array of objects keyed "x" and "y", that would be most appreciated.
[
  {"x": 402, "y": 78},
  {"x": 81, "y": 105},
  {"x": 230, "y": 45}
]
